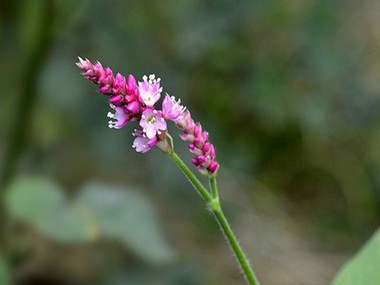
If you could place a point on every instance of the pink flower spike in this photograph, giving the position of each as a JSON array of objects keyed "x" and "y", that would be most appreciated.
[
  {"x": 141, "y": 143},
  {"x": 172, "y": 109},
  {"x": 120, "y": 116},
  {"x": 150, "y": 90},
  {"x": 152, "y": 123}
]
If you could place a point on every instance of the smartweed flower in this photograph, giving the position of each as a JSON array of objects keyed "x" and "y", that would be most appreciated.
[{"x": 135, "y": 101}]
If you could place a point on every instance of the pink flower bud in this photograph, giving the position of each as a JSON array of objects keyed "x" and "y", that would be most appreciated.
[
  {"x": 213, "y": 167},
  {"x": 133, "y": 107},
  {"x": 105, "y": 89},
  {"x": 132, "y": 84},
  {"x": 197, "y": 130},
  {"x": 119, "y": 84},
  {"x": 116, "y": 100}
]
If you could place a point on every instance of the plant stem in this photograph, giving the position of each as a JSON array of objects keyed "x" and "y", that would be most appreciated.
[
  {"x": 214, "y": 188},
  {"x": 229, "y": 234},
  {"x": 214, "y": 203},
  {"x": 192, "y": 178}
]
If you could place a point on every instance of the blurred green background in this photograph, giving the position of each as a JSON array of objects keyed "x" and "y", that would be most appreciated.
[{"x": 288, "y": 90}]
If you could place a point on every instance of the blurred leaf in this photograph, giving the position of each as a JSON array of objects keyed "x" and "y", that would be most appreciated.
[
  {"x": 127, "y": 215},
  {"x": 5, "y": 277},
  {"x": 123, "y": 215},
  {"x": 69, "y": 224},
  {"x": 41, "y": 203},
  {"x": 31, "y": 199},
  {"x": 363, "y": 268}
]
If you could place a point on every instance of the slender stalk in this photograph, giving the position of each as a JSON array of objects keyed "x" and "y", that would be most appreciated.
[
  {"x": 229, "y": 234},
  {"x": 214, "y": 188},
  {"x": 190, "y": 175},
  {"x": 213, "y": 201}
]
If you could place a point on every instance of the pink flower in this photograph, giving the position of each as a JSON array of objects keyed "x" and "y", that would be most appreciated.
[
  {"x": 152, "y": 123},
  {"x": 120, "y": 116},
  {"x": 134, "y": 101},
  {"x": 199, "y": 145},
  {"x": 172, "y": 109},
  {"x": 143, "y": 144},
  {"x": 150, "y": 90}
]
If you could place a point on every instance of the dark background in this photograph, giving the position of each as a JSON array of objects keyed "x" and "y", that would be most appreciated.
[{"x": 288, "y": 90}]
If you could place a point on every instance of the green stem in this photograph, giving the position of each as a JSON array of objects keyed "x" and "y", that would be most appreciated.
[
  {"x": 190, "y": 175},
  {"x": 214, "y": 188},
  {"x": 213, "y": 201},
  {"x": 229, "y": 234}
]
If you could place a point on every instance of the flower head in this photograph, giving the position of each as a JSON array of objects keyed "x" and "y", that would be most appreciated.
[
  {"x": 132, "y": 101},
  {"x": 150, "y": 90},
  {"x": 152, "y": 123}
]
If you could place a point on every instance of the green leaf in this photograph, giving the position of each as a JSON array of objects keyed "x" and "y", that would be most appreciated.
[
  {"x": 127, "y": 215},
  {"x": 31, "y": 198},
  {"x": 41, "y": 203},
  {"x": 5, "y": 276},
  {"x": 70, "y": 224},
  {"x": 363, "y": 268}
]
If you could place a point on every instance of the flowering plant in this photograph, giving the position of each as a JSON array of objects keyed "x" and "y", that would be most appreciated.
[{"x": 136, "y": 101}]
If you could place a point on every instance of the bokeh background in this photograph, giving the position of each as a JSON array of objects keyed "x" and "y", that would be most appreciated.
[{"x": 288, "y": 90}]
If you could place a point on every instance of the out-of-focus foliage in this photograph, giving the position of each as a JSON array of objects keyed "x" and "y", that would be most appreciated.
[
  {"x": 111, "y": 212},
  {"x": 288, "y": 91},
  {"x": 4, "y": 272},
  {"x": 364, "y": 267},
  {"x": 42, "y": 204},
  {"x": 126, "y": 215},
  {"x": 33, "y": 199}
]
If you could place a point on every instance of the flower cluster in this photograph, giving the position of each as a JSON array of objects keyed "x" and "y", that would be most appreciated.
[{"x": 135, "y": 101}]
